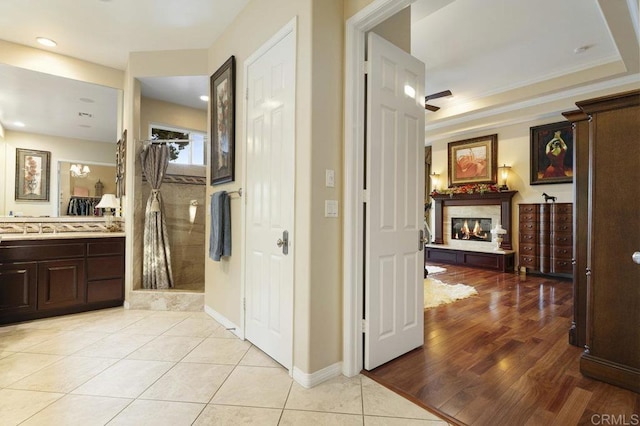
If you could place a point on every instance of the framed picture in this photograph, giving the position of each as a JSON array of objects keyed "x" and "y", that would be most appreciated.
[
  {"x": 552, "y": 153},
  {"x": 121, "y": 165},
  {"x": 473, "y": 161},
  {"x": 32, "y": 175},
  {"x": 223, "y": 115}
]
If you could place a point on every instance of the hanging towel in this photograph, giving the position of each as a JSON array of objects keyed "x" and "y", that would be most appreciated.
[{"x": 220, "y": 235}]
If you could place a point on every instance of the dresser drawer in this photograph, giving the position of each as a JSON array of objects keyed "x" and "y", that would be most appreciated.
[
  {"x": 528, "y": 217},
  {"x": 562, "y": 252},
  {"x": 565, "y": 227},
  {"x": 528, "y": 227},
  {"x": 563, "y": 219},
  {"x": 563, "y": 208},
  {"x": 528, "y": 208},
  {"x": 562, "y": 266},
  {"x": 528, "y": 250},
  {"x": 530, "y": 262},
  {"x": 528, "y": 238},
  {"x": 562, "y": 239}
]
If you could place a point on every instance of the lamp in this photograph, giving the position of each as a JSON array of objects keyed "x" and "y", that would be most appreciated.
[
  {"x": 504, "y": 174},
  {"x": 435, "y": 180},
  {"x": 497, "y": 233},
  {"x": 79, "y": 171},
  {"x": 108, "y": 202}
]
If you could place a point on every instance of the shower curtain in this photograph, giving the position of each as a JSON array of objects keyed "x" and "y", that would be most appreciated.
[{"x": 156, "y": 270}]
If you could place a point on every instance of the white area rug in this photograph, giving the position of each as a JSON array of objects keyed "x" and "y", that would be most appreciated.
[
  {"x": 437, "y": 293},
  {"x": 434, "y": 269}
]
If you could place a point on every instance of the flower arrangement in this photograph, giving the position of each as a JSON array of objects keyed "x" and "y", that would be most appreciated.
[{"x": 472, "y": 188}]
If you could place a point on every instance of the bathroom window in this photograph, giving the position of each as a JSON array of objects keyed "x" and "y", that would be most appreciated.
[{"x": 192, "y": 152}]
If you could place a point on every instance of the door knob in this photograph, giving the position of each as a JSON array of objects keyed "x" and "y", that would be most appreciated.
[
  {"x": 283, "y": 242},
  {"x": 636, "y": 257}
]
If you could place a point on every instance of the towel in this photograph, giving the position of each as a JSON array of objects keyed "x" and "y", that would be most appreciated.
[{"x": 220, "y": 235}]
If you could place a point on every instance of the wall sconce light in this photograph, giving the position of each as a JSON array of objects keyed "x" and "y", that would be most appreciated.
[
  {"x": 193, "y": 208},
  {"x": 435, "y": 181},
  {"x": 79, "y": 171},
  {"x": 504, "y": 175},
  {"x": 108, "y": 202}
]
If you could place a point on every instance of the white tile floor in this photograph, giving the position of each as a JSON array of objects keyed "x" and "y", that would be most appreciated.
[{"x": 127, "y": 367}]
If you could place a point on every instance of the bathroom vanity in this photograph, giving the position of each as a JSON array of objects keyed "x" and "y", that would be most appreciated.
[{"x": 47, "y": 273}]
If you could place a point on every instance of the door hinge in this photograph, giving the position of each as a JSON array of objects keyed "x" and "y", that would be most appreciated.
[
  {"x": 364, "y": 326},
  {"x": 366, "y": 67},
  {"x": 365, "y": 195}
]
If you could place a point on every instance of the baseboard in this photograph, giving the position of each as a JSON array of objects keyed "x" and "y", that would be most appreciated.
[
  {"x": 310, "y": 380},
  {"x": 224, "y": 321},
  {"x": 610, "y": 372}
]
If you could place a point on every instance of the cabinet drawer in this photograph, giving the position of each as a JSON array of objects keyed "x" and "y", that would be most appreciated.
[
  {"x": 33, "y": 252},
  {"x": 563, "y": 219},
  {"x": 528, "y": 227},
  {"x": 103, "y": 248},
  {"x": 528, "y": 249},
  {"x": 105, "y": 290},
  {"x": 564, "y": 208},
  {"x": 562, "y": 253},
  {"x": 529, "y": 262},
  {"x": 562, "y": 266},
  {"x": 528, "y": 238},
  {"x": 562, "y": 240},
  {"x": 105, "y": 267},
  {"x": 528, "y": 217},
  {"x": 528, "y": 208},
  {"x": 566, "y": 227}
]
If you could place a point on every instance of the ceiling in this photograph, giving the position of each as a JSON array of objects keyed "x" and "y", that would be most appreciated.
[{"x": 491, "y": 54}]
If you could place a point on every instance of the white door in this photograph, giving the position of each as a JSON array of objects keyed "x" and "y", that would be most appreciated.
[
  {"x": 394, "y": 310},
  {"x": 270, "y": 77}
]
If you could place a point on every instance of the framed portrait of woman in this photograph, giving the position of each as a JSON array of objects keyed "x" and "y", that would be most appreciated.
[
  {"x": 552, "y": 153},
  {"x": 473, "y": 161}
]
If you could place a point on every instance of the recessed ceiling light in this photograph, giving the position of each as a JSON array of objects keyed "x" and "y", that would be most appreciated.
[
  {"x": 46, "y": 42},
  {"x": 19, "y": 124},
  {"x": 87, "y": 100},
  {"x": 204, "y": 98}
]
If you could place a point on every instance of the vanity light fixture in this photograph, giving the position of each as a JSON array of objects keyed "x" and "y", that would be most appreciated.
[{"x": 46, "y": 42}]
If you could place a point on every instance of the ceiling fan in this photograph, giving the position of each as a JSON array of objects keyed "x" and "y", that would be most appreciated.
[{"x": 435, "y": 96}]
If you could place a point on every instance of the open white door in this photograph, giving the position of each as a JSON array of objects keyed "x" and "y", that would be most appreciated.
[
  {"x": 394, "y": 311},
  {"x": 270, "y": 177}
]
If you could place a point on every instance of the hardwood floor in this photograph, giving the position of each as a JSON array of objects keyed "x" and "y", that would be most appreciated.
[{"x": 503, "y": 358}]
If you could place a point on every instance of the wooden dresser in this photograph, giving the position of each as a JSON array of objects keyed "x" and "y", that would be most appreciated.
[{"x": 546, "y": 238}]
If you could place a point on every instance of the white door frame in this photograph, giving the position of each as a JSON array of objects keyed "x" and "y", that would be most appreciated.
[
  {"x": 289, "y": 27},
  {"x": 354, "y": 135}
]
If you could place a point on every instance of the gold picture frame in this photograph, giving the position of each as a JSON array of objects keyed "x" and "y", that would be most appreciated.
[{"x": 473, "y": 161}]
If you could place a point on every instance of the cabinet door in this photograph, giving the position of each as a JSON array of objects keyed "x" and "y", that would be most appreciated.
[
  {"x": 17, "y": 288},
  {"x": 61, "y": 283}
]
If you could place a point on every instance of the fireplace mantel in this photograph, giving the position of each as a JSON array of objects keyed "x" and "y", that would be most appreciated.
[{"x": 502, "y": 199}]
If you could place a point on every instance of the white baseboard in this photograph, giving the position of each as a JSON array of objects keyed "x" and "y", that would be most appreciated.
[
  {"x": 310, "y": 380},
  {"x": 224, "y": 321}
]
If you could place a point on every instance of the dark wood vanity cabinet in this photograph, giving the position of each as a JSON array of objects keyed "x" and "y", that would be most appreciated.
[{"x": 40, "y": 278}]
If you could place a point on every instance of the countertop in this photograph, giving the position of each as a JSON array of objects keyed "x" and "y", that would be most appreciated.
[{"x": 58, "y": 235}]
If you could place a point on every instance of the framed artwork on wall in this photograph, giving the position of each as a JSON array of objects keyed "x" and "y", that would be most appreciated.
[
  {"x": 222, "y": 98},
  {"x": 552, "y": 153},
  {"x": 32, "y": 175},
  {"x": 121, "y": 165},
  {"x": 473, "y": 161}
]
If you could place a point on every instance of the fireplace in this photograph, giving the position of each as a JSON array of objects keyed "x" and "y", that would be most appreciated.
[{"x": 471, "y": 229}]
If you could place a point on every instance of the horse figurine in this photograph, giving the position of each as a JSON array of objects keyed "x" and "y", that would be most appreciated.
[{"x": 548, "y": 197}]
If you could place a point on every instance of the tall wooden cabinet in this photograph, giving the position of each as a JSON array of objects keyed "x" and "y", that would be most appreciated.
[
  {"x": 578, "y": 330},
  {"x": 612, "y": 352},
  {"x": 546, "y": 238}
]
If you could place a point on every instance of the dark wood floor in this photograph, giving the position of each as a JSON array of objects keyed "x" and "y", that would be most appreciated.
[{"x": 503, "y": 358}]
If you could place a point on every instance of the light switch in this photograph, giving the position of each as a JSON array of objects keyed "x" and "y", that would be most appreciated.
[
  {"x": 330, "y": 208},
  {"x": 330, "y": 178}
]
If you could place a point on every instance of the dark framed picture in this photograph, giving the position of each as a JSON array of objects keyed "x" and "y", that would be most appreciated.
[
  {"x": 223, "y": 106},
  {"x": 473, "y": 161},
  {"x": 121, "y": 165},
  {"x": 552, "y": 153},
  {"x": 32, "y": 175}
]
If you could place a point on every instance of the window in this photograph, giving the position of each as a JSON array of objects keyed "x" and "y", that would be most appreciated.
[{"x": 191, "y": 151}]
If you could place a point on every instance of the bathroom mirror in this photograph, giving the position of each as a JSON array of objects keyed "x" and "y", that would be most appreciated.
[
  {"x": 82, "y": 184},
  {"x": 75, "y": 121}
]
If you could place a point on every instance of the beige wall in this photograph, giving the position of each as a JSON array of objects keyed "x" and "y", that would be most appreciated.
[{"x": 397, "y": 29}]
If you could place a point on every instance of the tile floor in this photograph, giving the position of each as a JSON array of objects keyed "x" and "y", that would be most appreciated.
[{"x": 129, "y": 367}]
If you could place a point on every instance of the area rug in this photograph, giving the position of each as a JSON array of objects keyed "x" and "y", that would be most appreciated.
[
  {"x": 434, "y": 269},
  {"x": 437, "y": 293}
]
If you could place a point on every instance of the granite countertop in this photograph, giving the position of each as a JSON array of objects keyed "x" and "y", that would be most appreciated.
[{"x": 59, "y": 235}]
